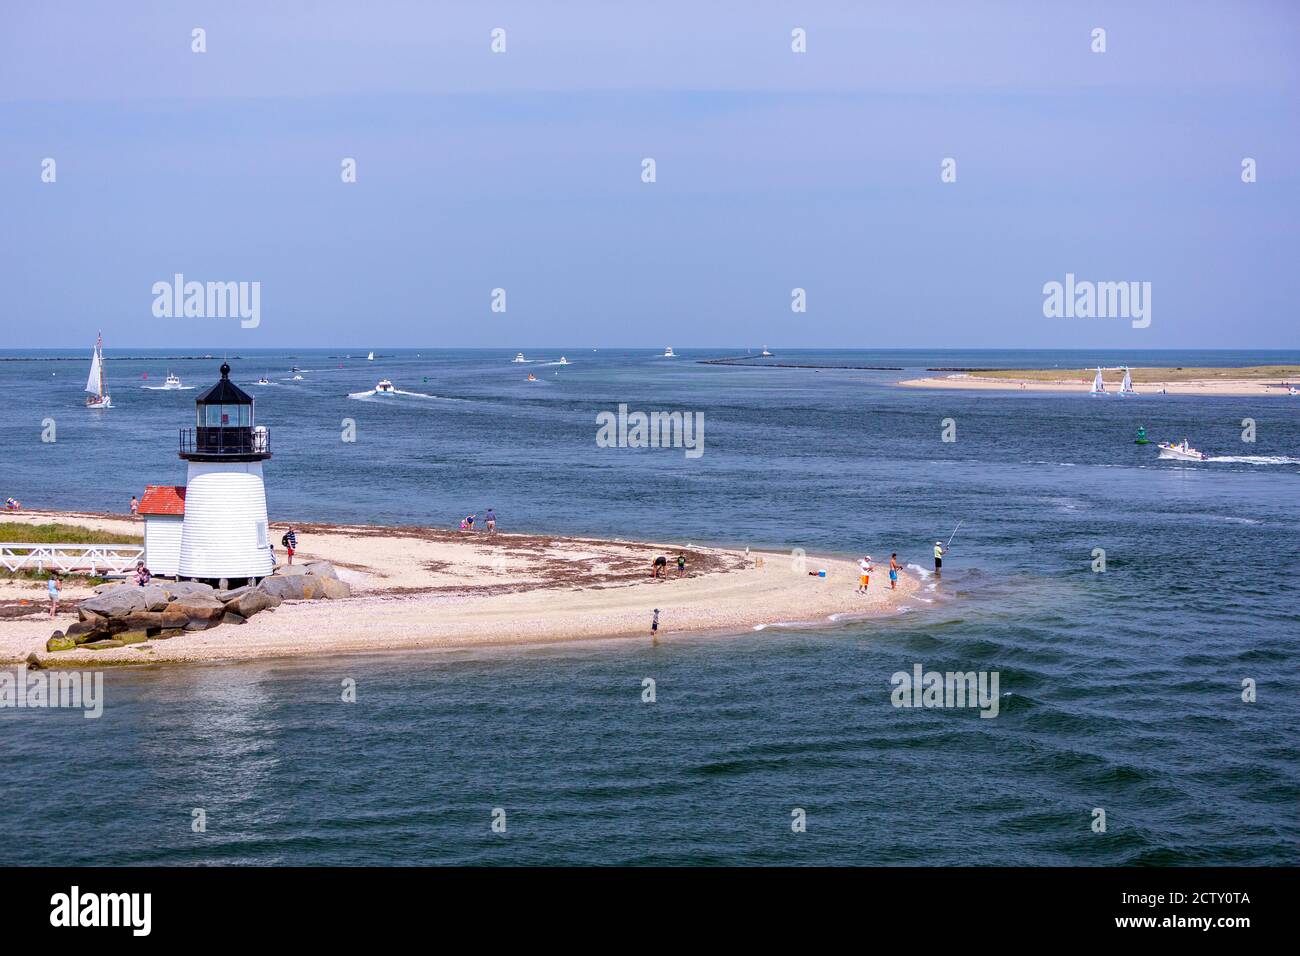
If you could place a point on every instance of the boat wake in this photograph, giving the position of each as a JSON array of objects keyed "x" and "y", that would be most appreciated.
[
  {"x": 1256, "y": 459},
  {"x": 169, "y": 388},
  {"x": 363, "y": 396}
]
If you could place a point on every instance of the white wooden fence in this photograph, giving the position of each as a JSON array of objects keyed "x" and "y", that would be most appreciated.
[{"x": 92, "y": 558}]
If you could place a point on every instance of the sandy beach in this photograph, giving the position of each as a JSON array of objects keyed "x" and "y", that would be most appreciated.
[
  {"x": 1071, "y": 382},
  {"x": 430, "y": 588}
]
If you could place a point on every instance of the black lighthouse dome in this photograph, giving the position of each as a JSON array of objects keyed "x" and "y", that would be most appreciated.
[{"x": 224, "y": 429}]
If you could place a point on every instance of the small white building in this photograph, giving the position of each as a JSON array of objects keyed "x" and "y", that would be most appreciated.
[{"x": 163, "y": 511}]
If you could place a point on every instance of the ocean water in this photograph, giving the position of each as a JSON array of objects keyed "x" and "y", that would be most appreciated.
[{"x": 1118, "y": 690}]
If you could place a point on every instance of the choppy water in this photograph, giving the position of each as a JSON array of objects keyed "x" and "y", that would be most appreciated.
[{"x": 1120, "y": 690}]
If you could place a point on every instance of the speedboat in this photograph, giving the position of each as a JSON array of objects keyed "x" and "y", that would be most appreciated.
[
  {"x": 669, "y": 353},
  {"x": 384, "y": 387},
  {"x": 263, "y": 381},
  {"x": 532, "y": 377},
  {"x": 519, "y": 357},
  {"x": 96, "y": 393},
  {"x": 1180, "y": 452},
  {"x": 173, "y": 382},
  {"x": 766, "y": 353},
  {"x": 563, "y": 360}
]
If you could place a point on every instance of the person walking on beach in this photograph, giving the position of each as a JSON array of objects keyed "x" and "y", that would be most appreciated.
[
  {"x": 865, "y": 567},
  {"x": 894, "y": 568},
  {"x": 939, "y": 552},
  {"x": 660, "y": 567},
  {"x": 290, "y": 542},
  {"x": 654, "y": 628},
  {"x": 681, "y": 564},
  {"x": 491, "y": 521},
  {"x": 54, "y": 585},
  {"x": 135, "y": 506}
]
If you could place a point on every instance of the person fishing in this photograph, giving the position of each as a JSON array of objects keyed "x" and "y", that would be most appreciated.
[{"x": 939, "y": 552}]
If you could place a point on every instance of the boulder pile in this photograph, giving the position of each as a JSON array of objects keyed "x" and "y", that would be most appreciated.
[{"x": 121, "y": 614}]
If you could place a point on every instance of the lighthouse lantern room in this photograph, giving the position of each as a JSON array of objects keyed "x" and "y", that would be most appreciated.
[{"x": 224, "y": 535}]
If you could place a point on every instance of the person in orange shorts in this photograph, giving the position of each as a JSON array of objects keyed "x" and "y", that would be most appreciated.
[{"x": 865, "y": 567}]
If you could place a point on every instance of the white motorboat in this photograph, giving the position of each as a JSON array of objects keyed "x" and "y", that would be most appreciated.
[
  {"x": 1180, "y": 452},
  {"x": 669, "y": 353},
  {"x": 385, "y": 387},
  {"x": 563, "y": 360},
  {"x": 766, "y": 353},
  {"x": 1098, "y": 386},
  {"x": 519, "y": 357},
  {"x": 96, "y": 392},
  {"x": 263, "y": 381},
  {"x": 1126, "y": 387},
  {"x": 173, "y": 382}
]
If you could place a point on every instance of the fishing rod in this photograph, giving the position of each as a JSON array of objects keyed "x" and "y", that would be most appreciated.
[{"x": 953, "y": 535}]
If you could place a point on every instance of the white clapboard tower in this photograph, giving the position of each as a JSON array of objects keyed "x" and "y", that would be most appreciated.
[{"x": 224, "y": 534}]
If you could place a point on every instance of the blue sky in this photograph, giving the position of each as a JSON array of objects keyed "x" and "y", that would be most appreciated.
[{"x": 775, "y": 170}]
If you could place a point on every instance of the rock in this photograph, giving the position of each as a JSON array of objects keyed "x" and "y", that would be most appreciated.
[
  {"x": 199, "y": 608},
  {"x": 60, "y": 643},
  {"x": 102, "y": 645},
  {"x": 179, "y": 589},
  {"x": 225, "y": 597},
  {"x": 334, "y": 589},
  {"x": 173, "y": 620},
  {"x": 82, "y": 633},
  {"x": 200, "y": 624},
  {"x": 155, "y": 597},
  {"x": 89, "y": 617},
  {"x": 34, "y": 662},
  {"x": 290, "y": 570},
  {"x": 131, "y": 637},
  {"x": 116, "y": 603},
  {"x": 251, "y": 602},
  {"x": 322, "y": 569},
  {"x": 167, "y": 634},
  {"x": 290, "y": 588},
  {"x": 231, "y": 617},
  {"x": 143, "y": 620}
]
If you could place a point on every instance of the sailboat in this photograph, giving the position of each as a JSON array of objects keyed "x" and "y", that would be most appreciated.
[
  {"x": 1098, "y": 386},
  {"x": 96, "y": 397},
  {"x": 1126, "y": 388},
  {"x": 370, "y": 357}
]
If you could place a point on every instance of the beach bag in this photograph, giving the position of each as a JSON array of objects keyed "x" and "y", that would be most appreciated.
[{"x": 285, "y": 540}]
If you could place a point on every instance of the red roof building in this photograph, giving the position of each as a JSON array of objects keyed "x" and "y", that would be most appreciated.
[{"x": 163, "y": 500}]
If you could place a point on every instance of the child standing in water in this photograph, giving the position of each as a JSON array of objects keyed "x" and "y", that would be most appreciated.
[{"x": 654, "y": 628}]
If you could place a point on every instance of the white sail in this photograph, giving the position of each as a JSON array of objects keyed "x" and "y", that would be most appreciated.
[
  {"x": 1098, "y": 386},
  {"x": 1128, "y": 381},
  {"x": 370, "y": 357},
  {"x": 95, "y": 383}
]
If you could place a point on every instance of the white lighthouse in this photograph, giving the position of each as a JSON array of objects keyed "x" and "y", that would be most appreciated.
[{"x": 224, "y": 534}]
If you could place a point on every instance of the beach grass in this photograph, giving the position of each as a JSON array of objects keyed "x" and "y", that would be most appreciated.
[
  {"x": 1252, "y": 373},
  {"x": 55, "y": 533}
]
